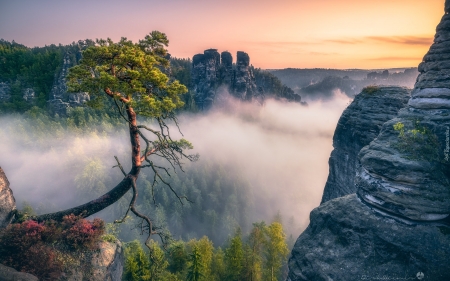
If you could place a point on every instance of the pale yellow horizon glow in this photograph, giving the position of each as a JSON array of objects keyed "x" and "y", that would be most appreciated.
[{"x": 276, "y": 34}]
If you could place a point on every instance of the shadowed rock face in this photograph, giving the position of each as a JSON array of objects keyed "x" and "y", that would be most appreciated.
[
  {"x": 359, "y": 124},
  {"x": 211, "y": 73},
  {"x": 244, "y": 85},
  {"x": 205, "y": 71},
  {"x": 348, "y": 240},
  {"x": 7, "y": 201}
]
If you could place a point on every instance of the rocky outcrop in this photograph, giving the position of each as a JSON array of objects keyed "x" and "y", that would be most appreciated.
[
  {"x": 7, "y": 201},
  {"x": 349, "y": 240},
  {"x": 10, "y": 274},
  {"x": 205, "y": 74},
  {"x": 244, "y": 84},
  {"x": 5, "y": 93},
  {"x": 358, "y": 125},
  {"x": 29, "y": 95},
  {"x": 214, "y": 76},
  {"x": 397, "y": 225},
  {"x": 106, "y": 264},
  {"x": 60, "y": 100}
]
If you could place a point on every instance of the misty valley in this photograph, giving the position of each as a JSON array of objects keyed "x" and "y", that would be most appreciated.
[{"x": 121, "y": 162}]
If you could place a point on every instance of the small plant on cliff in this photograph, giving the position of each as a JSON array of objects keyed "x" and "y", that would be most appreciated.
[
  {"x": 418, "y": 143},
  {"x": 370, "y": 89},
  {"x": 41, "y": 248}
]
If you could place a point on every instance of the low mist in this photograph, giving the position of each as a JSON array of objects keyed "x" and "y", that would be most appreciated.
[{"x": 281, "y": 149}]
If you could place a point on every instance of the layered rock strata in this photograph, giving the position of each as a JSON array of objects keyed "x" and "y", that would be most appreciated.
[
  {"x": 397, "y": 226},
  {"x": 358, "y": 125},
  {"x": 406, "y": 170},
  {"x": 348, "y": 240}
]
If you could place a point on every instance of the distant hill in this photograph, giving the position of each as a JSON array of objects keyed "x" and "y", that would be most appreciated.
[{"x": 320, "y": 83}]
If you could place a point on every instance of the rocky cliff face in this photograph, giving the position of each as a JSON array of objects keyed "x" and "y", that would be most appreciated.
[
  {"x": 397, "y": 225},
  {"x": 7, "y": 201},
  {"x": 214, "y": 74},
  {"x": 59, "y": 100},
  {"x": 359, "y": 124},
  {"x": 349, "y": 240}
]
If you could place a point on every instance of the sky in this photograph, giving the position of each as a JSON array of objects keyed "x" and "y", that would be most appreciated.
[{"x": 275, "y": 33}]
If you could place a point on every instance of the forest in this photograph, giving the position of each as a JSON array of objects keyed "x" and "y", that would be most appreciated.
[{"x": 213, "y": 234}]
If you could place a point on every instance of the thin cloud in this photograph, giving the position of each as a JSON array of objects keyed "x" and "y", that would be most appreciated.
[
  {"x": 347, "y": 41},
  {"x": 395, "y": 59},
  {"x": 403, "y": 40}
]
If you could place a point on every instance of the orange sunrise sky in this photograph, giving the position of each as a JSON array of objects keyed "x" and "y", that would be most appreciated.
[{"x": 275, "y": 33}]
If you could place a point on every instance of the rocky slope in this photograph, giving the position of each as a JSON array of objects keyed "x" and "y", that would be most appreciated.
[
  {"x": 359, "y": 124},
  {"x": 397, "y": 226}
]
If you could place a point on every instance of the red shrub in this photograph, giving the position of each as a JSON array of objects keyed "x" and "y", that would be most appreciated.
[
  {"x": 82, "y": 233},
  {"x": 22, "y": 247},
  {"x": 33, "y": 247}
]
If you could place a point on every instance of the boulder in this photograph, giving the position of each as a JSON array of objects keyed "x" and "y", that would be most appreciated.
[
  {"x": 105, "y": 264},
  {"x": 10, "y": 274},
  {"x": 7, "y": 201}
]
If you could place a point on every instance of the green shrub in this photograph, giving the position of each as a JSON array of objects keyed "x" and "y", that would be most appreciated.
[
  {"x": 370, "y": 89},
  {"x": 418, "y": 143}
]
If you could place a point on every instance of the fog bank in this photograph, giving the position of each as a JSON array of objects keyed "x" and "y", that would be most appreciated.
[{"x": 281, "y": 149}]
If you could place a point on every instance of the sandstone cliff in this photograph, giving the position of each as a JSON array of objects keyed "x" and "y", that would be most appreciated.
[
  {"x": 359, "y": 124},
  {"x": 214, "y": 76},
  {"x": 396, "y": 226}
]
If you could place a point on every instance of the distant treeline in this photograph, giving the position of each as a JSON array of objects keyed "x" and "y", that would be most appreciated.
[{"x": 321, "y": 83}]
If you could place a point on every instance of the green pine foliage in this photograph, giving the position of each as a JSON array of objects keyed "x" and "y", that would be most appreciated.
[
  {"x": 22, "y": 67},
  {"x": 259, "y": 256}
]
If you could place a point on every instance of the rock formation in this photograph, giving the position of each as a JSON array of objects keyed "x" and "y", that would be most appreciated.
[
  {"x": 205, "y": 74},
  {"x": 358, "y": 125},
  {"x": 244, "y": 83},
  {"x": 106, "y": 264},
  {"x": 59, "y": 100},
  {"x": 7, "y": 201},
  {"x": 5, "y": 93},
  {"x": 211, "y": 70},
  {"x": 396, "y": 227}
]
